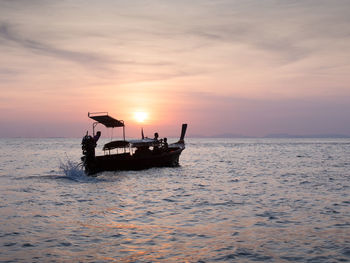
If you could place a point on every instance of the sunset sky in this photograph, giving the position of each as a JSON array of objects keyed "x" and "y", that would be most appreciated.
[{"x": 247, "y": 67}]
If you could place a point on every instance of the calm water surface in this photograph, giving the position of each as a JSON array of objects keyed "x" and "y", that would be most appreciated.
[{"x": 232, "y": 200}]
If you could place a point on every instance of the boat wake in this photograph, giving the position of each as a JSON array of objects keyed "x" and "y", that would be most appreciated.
[{"x": 73, "y": 170}]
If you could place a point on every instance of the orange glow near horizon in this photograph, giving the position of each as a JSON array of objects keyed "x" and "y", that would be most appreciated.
[{"x": 253, "y": 73}]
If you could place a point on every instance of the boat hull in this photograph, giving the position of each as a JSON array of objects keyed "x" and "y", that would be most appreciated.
[{"x": 118, "y": 162}]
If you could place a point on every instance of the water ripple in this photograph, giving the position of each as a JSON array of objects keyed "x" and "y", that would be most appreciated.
[{"x": 230, "y": 201}]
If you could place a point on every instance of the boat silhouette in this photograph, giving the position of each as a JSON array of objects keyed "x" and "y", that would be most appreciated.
[{"x": 128, "y": 154}]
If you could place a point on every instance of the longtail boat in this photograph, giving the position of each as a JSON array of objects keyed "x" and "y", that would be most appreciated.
[{"x": 128, "y": 154}]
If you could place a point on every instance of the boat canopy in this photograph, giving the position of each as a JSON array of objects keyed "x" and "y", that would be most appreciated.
[
  {"x": 115, "y": 144},
  {"x": 147, "y": 142},
  {"x": 106, "y": 120}
]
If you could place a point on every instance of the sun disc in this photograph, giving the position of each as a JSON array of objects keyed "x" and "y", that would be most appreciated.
[{"x": 140, "y": 116}]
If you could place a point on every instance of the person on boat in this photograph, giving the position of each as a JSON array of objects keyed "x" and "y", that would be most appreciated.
[
  {"x": 156, "y": 135},
  {"x": 156, "y": 149},
  {"x": 97, "y": 136},
  {"x": 165, "y": 143}
]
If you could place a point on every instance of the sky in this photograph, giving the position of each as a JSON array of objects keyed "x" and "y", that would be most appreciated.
[{"x": 247, "y": 67}]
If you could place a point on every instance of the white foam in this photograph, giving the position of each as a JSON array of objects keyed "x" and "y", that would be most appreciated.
[{"x": 73, "y": 170}]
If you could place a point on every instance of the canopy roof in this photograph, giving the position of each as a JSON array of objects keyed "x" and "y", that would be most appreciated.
[
  {"x": 115, "y": 144},
  {"x": 106, "y": 120},
  {"x": 143, "y": 142}
]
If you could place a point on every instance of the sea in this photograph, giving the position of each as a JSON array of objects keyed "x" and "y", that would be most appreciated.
[{"x": 230, "y": 200}]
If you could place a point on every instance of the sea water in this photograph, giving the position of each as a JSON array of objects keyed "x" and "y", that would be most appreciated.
[{"x": 231, "y": 200}]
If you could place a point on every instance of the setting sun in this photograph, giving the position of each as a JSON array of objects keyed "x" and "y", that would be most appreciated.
[{"x": 140, "y": 116}]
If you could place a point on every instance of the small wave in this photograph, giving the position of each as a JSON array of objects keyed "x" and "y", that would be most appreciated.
[{"x": 73, "y": 170}]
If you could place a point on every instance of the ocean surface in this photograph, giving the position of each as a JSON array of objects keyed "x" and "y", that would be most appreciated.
[{"x": 231, "y": 200}]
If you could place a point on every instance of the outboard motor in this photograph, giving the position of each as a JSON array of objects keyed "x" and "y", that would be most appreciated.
[{"x": 88, "y": 146}]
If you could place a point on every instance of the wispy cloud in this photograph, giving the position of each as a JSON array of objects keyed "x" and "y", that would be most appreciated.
[
  {"x": 9, "y": 35},
  {"x": 292, "y": 31},
  {"x": 238, "y": 63}
]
